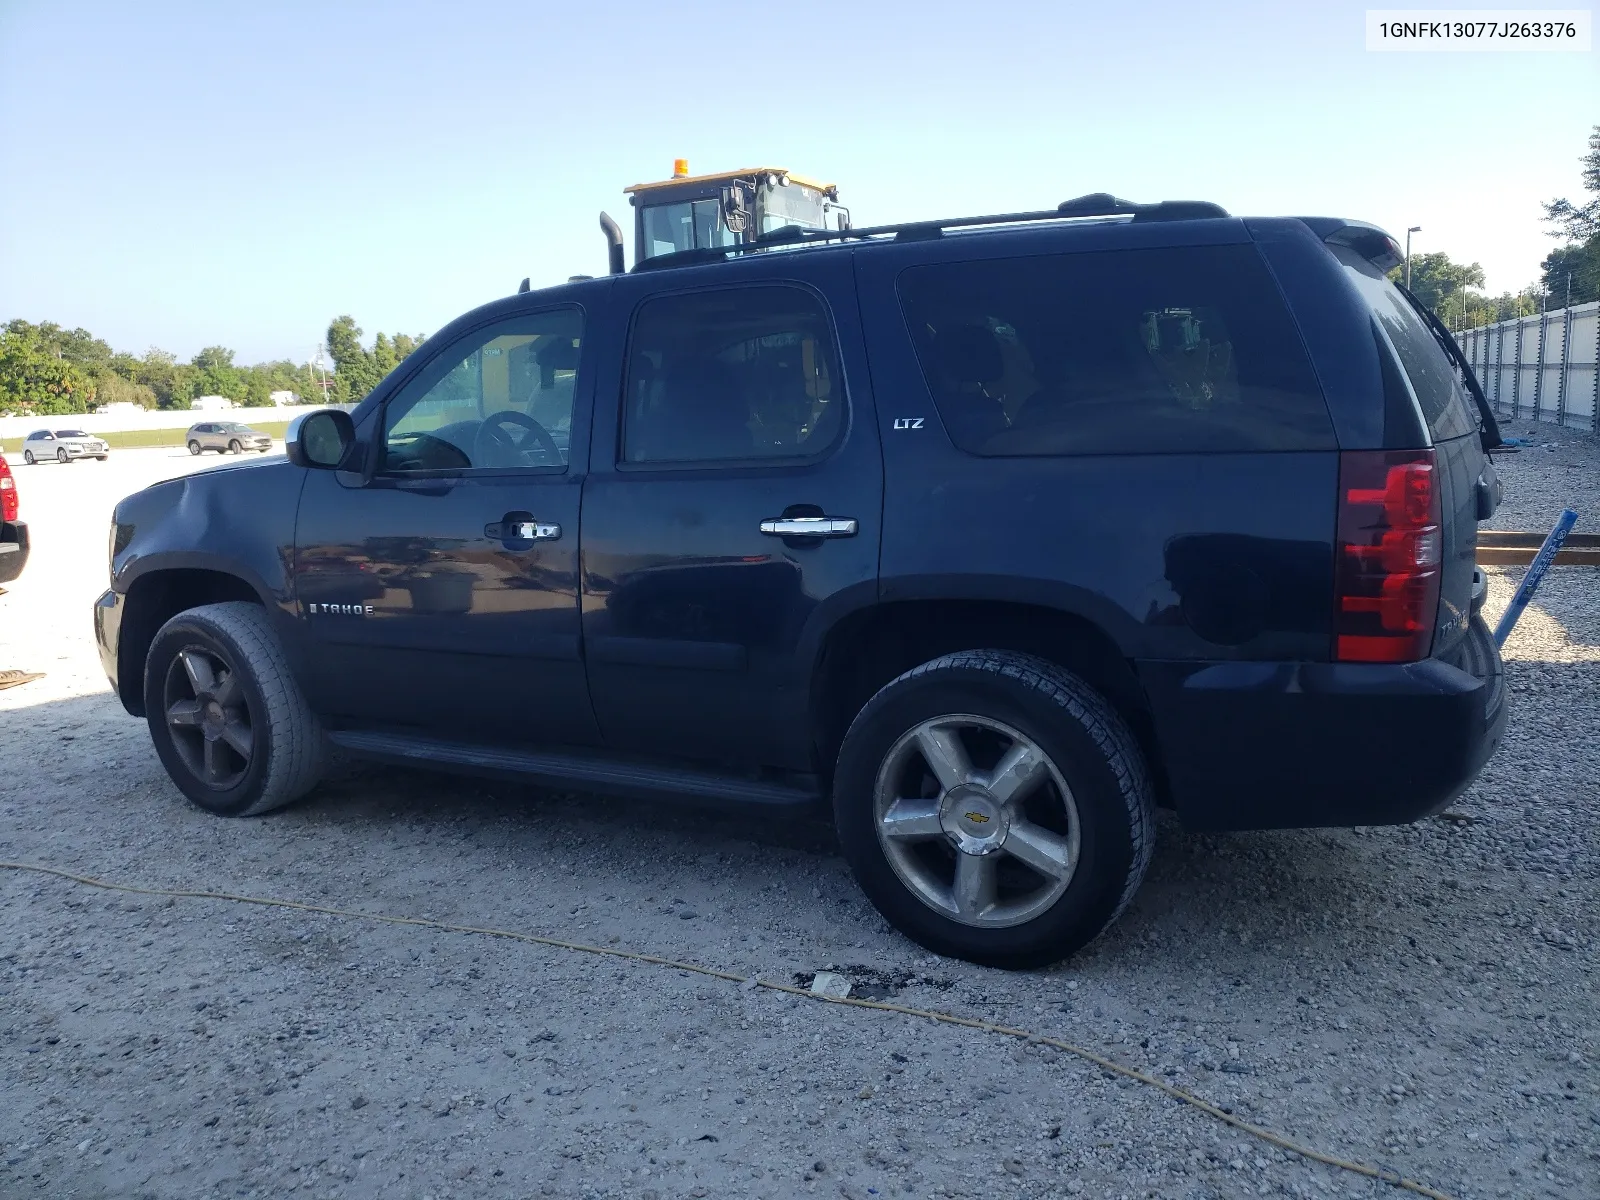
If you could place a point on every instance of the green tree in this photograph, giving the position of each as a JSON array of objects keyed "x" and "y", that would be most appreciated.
[
  {"x": 36, "y": 378},
  {"x": 112, "y": 388},
  {"x": 214, "y": 358},
  {"x": 358, "y": 370},
  {"x": 1572, "y": 273},
  {"x": 217, "y": 374},
  {"x": 1580, "y": 222},
  {"x": 1438, "y": 282}
]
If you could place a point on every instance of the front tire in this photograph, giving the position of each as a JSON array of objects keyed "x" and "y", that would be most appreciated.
[
  {"x": 226, "y": 716},
  {"x": 994, "y": 808},
  {"x": 27, "y": 457},
  {"x": 194, "y": 448},
  {"x": 234, "y": 447},
  {"x": 61, "y": 457}
]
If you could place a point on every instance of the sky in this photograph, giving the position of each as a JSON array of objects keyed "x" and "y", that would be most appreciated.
[{"x": 184, "y": 175}]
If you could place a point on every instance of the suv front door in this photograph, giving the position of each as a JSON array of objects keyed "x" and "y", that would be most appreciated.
[
  {"x": 442, "y": 594},
  {"x": 709, "y": 570}
]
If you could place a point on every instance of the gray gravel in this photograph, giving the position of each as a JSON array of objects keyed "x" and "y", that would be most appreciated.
[{"x": 1420, "y": 997}]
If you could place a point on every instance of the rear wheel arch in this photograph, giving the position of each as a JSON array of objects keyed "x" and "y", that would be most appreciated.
[
  {"x": 873, "y": 646},
  {"x": 151, "y": 601}
]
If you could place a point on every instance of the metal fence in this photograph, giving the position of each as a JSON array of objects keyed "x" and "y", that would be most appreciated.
[{"x": 1541, "y": 368}]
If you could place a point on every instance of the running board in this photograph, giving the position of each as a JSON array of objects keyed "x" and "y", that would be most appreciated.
[{"x": 585, "y": 772}]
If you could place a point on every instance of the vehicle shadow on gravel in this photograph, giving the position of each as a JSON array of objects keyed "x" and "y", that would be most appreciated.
[
  {"x": 357, "y": 790},
  {"x": 1294, "y": 888}
]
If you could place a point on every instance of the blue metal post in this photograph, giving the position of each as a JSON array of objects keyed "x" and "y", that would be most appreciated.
[{"x": 1536, "y": 572}]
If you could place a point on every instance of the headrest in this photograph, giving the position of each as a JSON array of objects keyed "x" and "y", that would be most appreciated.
[
  {"x": 559, "y": 354},
  {"x": 970, "y": 354}
]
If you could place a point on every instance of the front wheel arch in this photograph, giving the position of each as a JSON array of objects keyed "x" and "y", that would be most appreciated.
[{"x": 151, "y": 601}]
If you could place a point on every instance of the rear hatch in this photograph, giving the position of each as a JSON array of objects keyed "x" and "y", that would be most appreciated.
[{"x": 1465, "y": 479}]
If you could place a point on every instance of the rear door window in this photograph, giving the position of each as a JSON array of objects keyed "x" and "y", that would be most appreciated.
[
  {"x": 1169, "y": 350},
  {"x": 732, "y": 375},
  {"x": 1445, "y": 404}
]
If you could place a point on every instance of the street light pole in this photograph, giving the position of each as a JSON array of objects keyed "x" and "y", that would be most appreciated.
[{"x": 1409, "y": 232}]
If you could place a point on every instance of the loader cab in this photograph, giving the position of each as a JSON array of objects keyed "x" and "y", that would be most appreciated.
[{"x": 706, "y": 211}]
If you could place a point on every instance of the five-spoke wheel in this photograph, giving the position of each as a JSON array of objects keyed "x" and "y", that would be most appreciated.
[
  {"x": 994, "y": 807},
  {"x": 209, "y": 719},
  {"x": 976, "y": 820},
  {"x": 225, "y": 714}
]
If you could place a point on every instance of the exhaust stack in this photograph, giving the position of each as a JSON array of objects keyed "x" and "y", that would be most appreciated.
[{"x": 613, "y": 234}]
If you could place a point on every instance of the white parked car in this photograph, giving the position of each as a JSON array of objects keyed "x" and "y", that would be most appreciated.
[{"x": 63, "y": 445}]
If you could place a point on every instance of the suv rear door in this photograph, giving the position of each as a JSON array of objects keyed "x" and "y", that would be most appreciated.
[{"x": 732, "y": 397}]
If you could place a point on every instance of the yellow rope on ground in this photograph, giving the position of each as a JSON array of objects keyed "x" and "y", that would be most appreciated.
[{"x": 1382, "y": 1174}]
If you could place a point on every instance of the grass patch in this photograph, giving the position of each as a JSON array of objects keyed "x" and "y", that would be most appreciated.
[{"x": 135, "y": 439}]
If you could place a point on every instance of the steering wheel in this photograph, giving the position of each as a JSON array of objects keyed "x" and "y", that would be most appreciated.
[{"x": 491, "y": 435}]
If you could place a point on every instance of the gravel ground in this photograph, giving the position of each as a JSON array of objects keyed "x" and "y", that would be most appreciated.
[{"x": 1419, "y": 997}]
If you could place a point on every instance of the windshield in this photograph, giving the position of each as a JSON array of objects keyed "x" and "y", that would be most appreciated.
[
  {"x": 791, "y": 205},
  {"x": 65, "y": 433},
  {"x": 693, "y": 224}
]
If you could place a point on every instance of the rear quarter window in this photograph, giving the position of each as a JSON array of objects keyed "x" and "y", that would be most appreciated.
[
  {"x": 1171, "y": 350},
  {"x": 1444, "y": 402}
]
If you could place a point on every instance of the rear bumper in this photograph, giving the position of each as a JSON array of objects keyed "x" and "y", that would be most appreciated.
[
  {"x": 1293, "y": 745},
  {"x": 13, "y": 549}
]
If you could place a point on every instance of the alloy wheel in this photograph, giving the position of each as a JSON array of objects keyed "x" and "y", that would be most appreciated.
[
  {"x": 208, "y": 718},
  {"x": 976, "y": 821}
]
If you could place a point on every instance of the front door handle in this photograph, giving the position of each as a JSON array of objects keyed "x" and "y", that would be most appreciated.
[
  {"x": 519, "y": 527},
  {"x": 828, "y": 527}
]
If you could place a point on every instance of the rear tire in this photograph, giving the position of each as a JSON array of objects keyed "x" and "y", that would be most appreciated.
[
  {"x": 226, "y": 716},
  {"x": 194, "y": 448},
  {"x": 1017, "y": 868}
]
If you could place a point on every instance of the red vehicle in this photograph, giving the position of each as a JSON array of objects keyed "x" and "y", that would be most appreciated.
[{"x": 13, "y": 533}]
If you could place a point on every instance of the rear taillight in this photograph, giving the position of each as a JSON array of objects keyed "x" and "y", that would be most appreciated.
[
  {"x": 1387, "y": 577},
  {"x": 8, "y": 493}
]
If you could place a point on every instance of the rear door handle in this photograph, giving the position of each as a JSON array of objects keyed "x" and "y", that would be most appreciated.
[{"x": 828, "y": 527}]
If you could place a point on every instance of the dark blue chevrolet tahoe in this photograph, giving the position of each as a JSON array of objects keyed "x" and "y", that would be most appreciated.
[{"x": 998, "y": 532}]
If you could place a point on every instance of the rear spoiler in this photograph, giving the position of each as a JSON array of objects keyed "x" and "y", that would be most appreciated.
[{"x": 1369, "y": 241}]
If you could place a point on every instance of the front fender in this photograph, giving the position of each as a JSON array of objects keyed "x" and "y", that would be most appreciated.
[{"x": 239, "y": 522}]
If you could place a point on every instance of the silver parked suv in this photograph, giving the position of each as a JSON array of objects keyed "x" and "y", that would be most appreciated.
[
  {"x": 226, "y": 437},
  {"x": 63, "y": 445}
]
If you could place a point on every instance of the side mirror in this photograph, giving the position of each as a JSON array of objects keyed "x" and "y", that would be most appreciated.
[{"x": 320, "y": 439}]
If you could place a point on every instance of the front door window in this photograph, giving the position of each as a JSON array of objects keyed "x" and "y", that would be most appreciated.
[{"x": 502, "y": 399}]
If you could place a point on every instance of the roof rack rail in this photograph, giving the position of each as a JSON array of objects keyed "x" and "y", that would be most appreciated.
[{"x": 1097, "y": 204}]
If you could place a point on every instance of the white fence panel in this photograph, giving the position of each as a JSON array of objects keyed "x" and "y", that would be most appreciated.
[
  {"x": 1541, "y": 368},
  {"x": 159, "y": 418}
]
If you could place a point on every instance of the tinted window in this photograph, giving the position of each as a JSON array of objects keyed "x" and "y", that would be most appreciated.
[
  {"x": 1445, "y": 404},
  {"x": 71, "y": 433},
  {"x": 500, "y": 398},
  {"x": 735, "y": 374},
  {"x": 1120, "y": 352}
]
